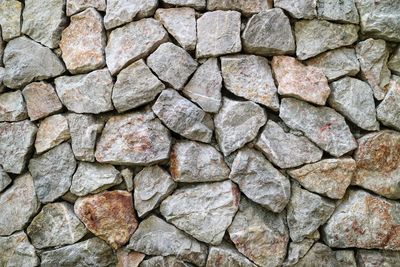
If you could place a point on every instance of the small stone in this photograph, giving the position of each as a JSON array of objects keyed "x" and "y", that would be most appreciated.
[
  {"x": 268, "y": 33},
  {"x": 152, "y": 185},
  {"x": 389, "y": 109},
  {"x": 52, "y": 172},
  {"x": 52, "y": 131},
  {"x": 306, "y": 83},
  {"x": 318, "y": 255},
  {"x": 196, "y": 4},
  {"x": 164, "y": 261},
  {"x": 136, "y": 85},
  {"x": 10, "y": 19},
  {"x": 371, "y": 258},
  {"x": 247, "y": 7},
  {"x": 393, "y": 64},
  {"x": 129, "y": 259},
  {"x": 75, "y": 6},
  {"x": 237, "y": 123},
  {"x": 17, "y": 251},
  {"x": 204, "y": 211},
  {"x": 26, "y": 61},
  {"x": 55, "y": 225},
  {"x": 12, "y": 107},
  {"x": 304, "y": 9},
  {"x": 156, "y": 237},
  {"x": 322, "y": 125},
  {"x": 345, "y": 258},
  {"x": 127, "y": 175},
  {"x": 223, "y": 39},
  {"x": 338, "y": 10},
  {"x": 297, "y": 250},
  {"x": 225, "y": 255},
  {"x": 133, "y": 41},
  {"x": 5, "y": 180},
  {"x": 316, "y": 36}
]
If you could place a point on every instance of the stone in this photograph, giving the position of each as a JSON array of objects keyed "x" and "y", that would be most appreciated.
[
  {"x": 17, "y": 251},
  {"x": 10, "y": 19},
  {"x": 52, "y": 172},
  {"x": 26, "y": 61},
  {"x": 133, "y": 41},
  {"x": 204, "y": 88},
  {"x": 322, "y": 125},
  {"x": 164, "y": 261},
  {"x": 259, "y": 180},
  {"x": 16, "y": 143},
  {"x": 152, "y": 185},
  {"x": 225, "y": 255},
  {"x": 18, "y": 204},
  {"x": 305, "y": 9},
  {"x": 91, "y": 178},
  {"x": 388, "y": 110},
  {"x": 91, "y": 252},
  {"x": 371, "y": 258},
  {"x": 12, "y": 106},
  {"x": 156, "y": 237},
  {"x": 328, "y": 177},
  {"x": 338, "y": 10},
  {"x": 5, "y": 180},
  {"x": 294, "y": 79},
  {"x": 83, "y": 42},
  {"x": 284, "y": 149},
  {"x": 354, "y": 99},
  {"x": 127, "y": 175},
  {"x": 44, "y": 21},
  {"x": 250, "y": 77},
  {"x": 204, "y": 211},
  {"x": 394, "y": 61},
  {"x": 55, "y": 225},
  {"x": 129, "y": 259},
  {"x": 373, "y": 56},
  {"x": 237, "y": 123},
  {"x": 223, "y": 39},
  {"x": 346, "y": 258},
  {"x": 318, "y": 255},
  {"x": 378, "y": 163},
  {"x": 193, "y": 162},
  {"x": 297, "y": 250},
  {"x": 316, "y": 36},
  {"x": 260, "y": 235},
  {"x": 196, "y": 4},
  {"x": 247, "y": 8},
  {"x": 2, "y": 71},
  {"x": 52, "y": 131},
  {"x": 181, "y": 24},
  {"x": 136, "y": 85},
  {"x": 268, "y": 33},
  {"x": 133, "y": 139},
  {"x": 75, "y": 6}
]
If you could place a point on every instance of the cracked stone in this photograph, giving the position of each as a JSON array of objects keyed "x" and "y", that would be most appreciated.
[
  {"x": 304, "y": 9},
  {"x": 247, "y": 7},
  {"x": 10, "y": 19},
  {"x": 75, "y": 6},
  {"x": 17, "y": 251},
  {"x": 338, "y": 10},
  {"x": 12, "y": 107},
  {"x": 389, "y": 108},
  {"x": 52, "y": 131},
  {"x": 5, "y": 180},
  {"x": 225, "y": 255}
]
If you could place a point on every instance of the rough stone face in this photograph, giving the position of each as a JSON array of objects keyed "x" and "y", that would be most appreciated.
[
  {"x": 297, "y": 250},
  {"x": 75, "y": 6},
  {"x": 225, "y": 255},
  {"x": 322, "y": 125},
  {"x": 223, "y": 39},
  {"x": 152, "y": 185},
  {"x": 44, "y": 21},
  {"x": 17, "y": 251},
  {"x": 156, "y": 237},
  {"x": 394, "y": 61},
  {"x": 172, "y": 64},
  {"x": 268, "y": 33},
  {"x": 129, "y": 259},
  {"x": 305, "y": 9},
  {"x": 55, "y": 225},
  {"x": 132, "y": 42},
  {"x": 136, "y": 85},
  {"x": 164, "y": 261},
  {"x": 204, "y": 211},
  {"x": 248, "y": 7},
  {"x": 52, "y": 172},
  {"x": 260, "y": 235},
  {"x": 306, "y": 83},
  {"x": 12, "y": 107},
  {"x": 197, "y": 4},
  {"x": 26, "y": 61},
  {"x": 83, "y": 42},
  {"x": 371, "y": 258},
  {"x": 316, "y": 36},
  {"x": 5, "y": 180},
  {"x": 342, "y": 11},
  {"x": 52, "y": 131},
  {"x": 389, "y": 109},
  {"x": 237, "y": 123},
  {"x": 318, "y": 255},
  {"x": 250, "y": 77},
  {"x": 10, "y": 19},
  {"x": 259, "y": 180},
  {"x": 17, "y": 205},
  {"x": 346, "y": 258}
]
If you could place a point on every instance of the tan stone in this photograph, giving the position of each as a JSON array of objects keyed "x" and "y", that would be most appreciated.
[
  {"x": 52, "y": 131},
  {"x": 129, "y": 259}
]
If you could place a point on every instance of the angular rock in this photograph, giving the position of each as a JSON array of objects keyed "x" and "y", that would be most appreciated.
[
  {"x": 322, "y": 125},
  {"x": 52, "y": 172},
  {"x": 371, "y": 258},
  {"x": 338, "y": 10},
  {"x": 297, "y": 250},
  {"x": 12, "y": 107},
  {"x": 197, "y": 4},
  {"x": 389, "y": 109},
  {"x": 127, "y": 175},
  {"x": 306, "y": 83},
  {"x": 268, "y": 33},
  {"x": 17, "y": 251},
  {"x": 10, "y": 19},
  {"x": 129, "y": 259},
  {"x": 237, "y": 123},
  {"x": 318, "y": 255},
  {"x": 346, "y": 258},
  {"x": 304, "y": 9},
  {"x": 248, "y": 7},
  {"x": 52, "y": 131},
  {"x": 75, "y": 6},
  {"x": 5, "y": 180},
  {"x": 223, "y": 39},
  {"x": 225, "y": 255},
  {"x": 316, "y": 36},
  {"x": 164, "y": 261},
  {"x": 394, "y": 61}
]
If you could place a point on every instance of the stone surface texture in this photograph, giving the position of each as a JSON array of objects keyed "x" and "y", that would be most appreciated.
[
  {"x": 10, "y": 19},
  {"x": 52, "y": 131},
  {"x": 75, "y": 6},
  {"x": 17, "y": 251},
  {"x": 12, "y": 107},
  {"x": 389, "y": 109}
]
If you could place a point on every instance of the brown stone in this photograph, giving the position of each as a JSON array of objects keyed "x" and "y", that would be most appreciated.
[
  {"x": 129, "y": 259},
  {"x": 52, "y": 131}
]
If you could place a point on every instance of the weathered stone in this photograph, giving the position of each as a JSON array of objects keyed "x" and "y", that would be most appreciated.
[
  {"x": 305, "y": 9},
  {"x": 83, "y": 42},
  {"x": 297, "y": 250},
  {"x": 26, "y": 61},
  {"x": 133, "y": 41},
  {"x": 52, "y": 131},
  {"x": 2, "y": 71},
  {"x": 55, "y": 225},
  {"x": 44, "y": 21},
  {"x": 393, "y": 64},
  {"x": 373, "y": 258},
  {"x": 345, "y": 258},
  {"x": 268, "y": 33},
  {"x": 52, "y": 172},
  {"x": 373, "y": 56},
  {"x": 18, "y": 204},
  {"x": 316, "y": 36},
  {"x": 322, "y": 125},
  {"x": 12, "y": 107},
  {"x": 17, "y": 251},
  {"x": 156, "y": 237},
  {"x": 16, "y": 142},
  {"x": 5, "y": 180},
  {"x": 248, "y": 7},
  {"x": 127, "y": 175},
  {"x": 237, "y": 123},
  {"x": 75, "y": 6},
  {"x": 338, "y": 10},
  {"x": 223, "y": 39},
  {"x": 197, "y": 4},
  {"x": 260, "y": 235},
  {"x": 129, "y": 259},
  {"x": 164, "y": 261},
  {"x": 204, "y": 211},
  {"x": 225, "y": 255},
  {"x": 318, "y": 255},
  {"x": 10, "y": 19},
  {"x": 389, "y": 109},
  {"x": 294, "y": 79}
]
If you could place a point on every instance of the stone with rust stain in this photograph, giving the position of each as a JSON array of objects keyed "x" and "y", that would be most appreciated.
[
  {"x": 16, "y": 250},
  {"x": 75, "y": 6},
  {"x": 375, "y": 258},
  {"x": 12, "y": 107},
  {"x": 129, "y": 259},
  {"x": 389, "y": 109},
  {"x": 52, "y": 131},
  {"x": 226, "y": 255}
]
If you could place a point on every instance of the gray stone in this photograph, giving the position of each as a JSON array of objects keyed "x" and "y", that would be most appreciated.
[
  {"x": 237, "y": 123},
  {"x": 10, "y": 19},
  {"x": 268, "y": 33},
  {"x": 394, "y": 61},
  {"x": 318, "y": 255},
  {"x": 322, "y": 125},
  {"x": 127, "y": 175},
  {"x": 389, "y": 109},
  {"x": 197, "y": 4},
  {"x": 5, "y": 180},
  {"x": 2, "y": 71},
  {"x": 247, "y": 7},
  {"x": 338, "y": 10},
  {"x": 316, "y": 36},
  {"x": 17, "y": 251},
  {"x": 223, "y": 39},
  {"x": 225, "y": 255},
  {"x": 204, "y": 211},
  {"x": 12, "y": 106},
  {"x": 52, "y": 131},
  {"x": 52, "y": 172},
  {"x": 304, "y": 9},
  {"x": 75, "y": 6},
  {"x": 164, "y": 261},
  {"x": 345, "y": 258},
  {"x": 297, "y": 250},
  {"x": 374, "y": 258}
]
